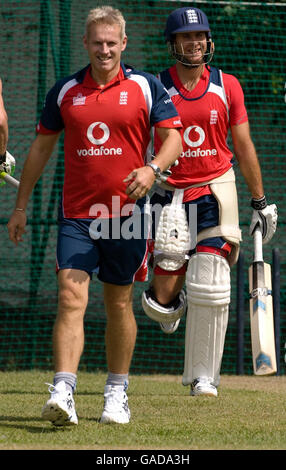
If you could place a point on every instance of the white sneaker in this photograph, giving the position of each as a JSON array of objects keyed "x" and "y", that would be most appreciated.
[
  {"x": 116, "y": 408},
  {"x": 60, "y": 408},
  {"x": 169, "y": 327},
  {"x": 202, "y": 386}
]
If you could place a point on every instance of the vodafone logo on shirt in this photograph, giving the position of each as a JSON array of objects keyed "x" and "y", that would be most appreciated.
[
  {"x": 98, "y": 134},
  {"x": 103, "y": 127},
  {"x": 194, "y": 142}
]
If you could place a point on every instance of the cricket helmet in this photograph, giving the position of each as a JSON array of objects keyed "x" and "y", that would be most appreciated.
[{"x": 186, "y": 19}]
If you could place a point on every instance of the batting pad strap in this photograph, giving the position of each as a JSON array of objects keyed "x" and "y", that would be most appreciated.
[
  {"x": 216, "y": 251},
  {"x": 228, "y": 177},
  {"x": 177, "y": 197},
  {"x": 230, "y": 233}
]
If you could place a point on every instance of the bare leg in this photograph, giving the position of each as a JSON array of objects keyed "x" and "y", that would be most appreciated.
[
  {"x": 166, "y": 288},
  {"x": 121, "y": 329},
  {"x": 68, "y": 333}
]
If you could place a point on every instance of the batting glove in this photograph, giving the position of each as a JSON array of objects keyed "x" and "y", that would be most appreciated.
[
  {"x": 7, "y": 163},
  {"x": 264, "y": 215}
]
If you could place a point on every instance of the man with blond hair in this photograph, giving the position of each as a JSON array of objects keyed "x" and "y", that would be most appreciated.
[{"x": 106, "y": 111}]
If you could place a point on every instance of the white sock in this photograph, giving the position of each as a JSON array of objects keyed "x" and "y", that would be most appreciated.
[
  {"x": 117, "y": 379},
  {"x": 69, "y": 378}
]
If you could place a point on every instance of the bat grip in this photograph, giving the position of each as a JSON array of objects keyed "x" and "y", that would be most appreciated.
[
  {"x": 258, "y": 250},
  {"x": 9, "y": 179}
]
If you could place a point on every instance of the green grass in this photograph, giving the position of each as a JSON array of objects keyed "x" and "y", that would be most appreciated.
[{"x": 248, "y": 414}]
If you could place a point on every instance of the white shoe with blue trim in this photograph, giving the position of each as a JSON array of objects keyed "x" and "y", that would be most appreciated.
[
  {"x": 60, "y": 408},
  {"x": 116, "y": 408}
]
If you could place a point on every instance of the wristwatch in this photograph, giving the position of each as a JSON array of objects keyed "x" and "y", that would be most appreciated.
[{"x": 155, "y": 168}]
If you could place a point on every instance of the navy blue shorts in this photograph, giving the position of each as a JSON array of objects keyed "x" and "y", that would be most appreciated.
[{"x": 118, "y": 260}]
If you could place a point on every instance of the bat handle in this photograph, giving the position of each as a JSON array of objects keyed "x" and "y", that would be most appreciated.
[
  {"x": 9, "y": 179},
  {"x": 258, "y": 250}
]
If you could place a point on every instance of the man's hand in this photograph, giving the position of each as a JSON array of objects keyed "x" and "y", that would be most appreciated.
[
  {"x": 16, "y": 226},
  {"x": 266, "y": 217},
  {"x": 139, "y": 182}
]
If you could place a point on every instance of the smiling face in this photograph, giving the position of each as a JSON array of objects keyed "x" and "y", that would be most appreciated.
[
  {"x": 104, "y": 44},
  {"x": 190, "y": 47}
]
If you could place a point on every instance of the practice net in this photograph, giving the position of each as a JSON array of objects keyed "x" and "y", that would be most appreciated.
[{"x": 41, "y": 41}]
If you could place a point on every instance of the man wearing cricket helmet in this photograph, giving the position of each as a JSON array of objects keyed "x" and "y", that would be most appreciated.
[{"x": 210, "y": 103}]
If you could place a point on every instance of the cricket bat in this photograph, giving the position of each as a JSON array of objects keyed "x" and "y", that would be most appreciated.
[
  {"x": 261, "y": 312},
  {"x": 3, "y": 173},
  {"x": 9, "y": 179}
]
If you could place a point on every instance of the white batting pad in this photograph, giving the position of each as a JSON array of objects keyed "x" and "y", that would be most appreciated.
[
  {"x": 172, "y": 240},
  {"x": 208, "y": 298}
]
